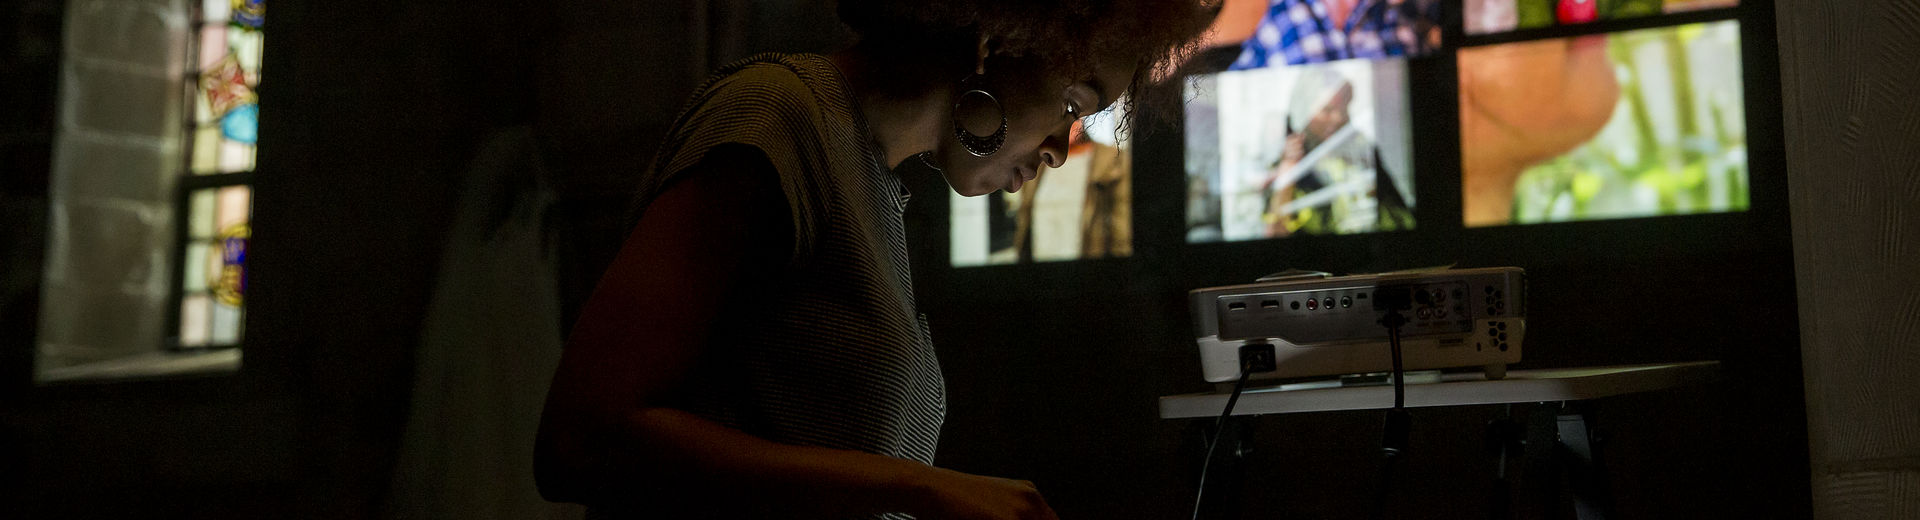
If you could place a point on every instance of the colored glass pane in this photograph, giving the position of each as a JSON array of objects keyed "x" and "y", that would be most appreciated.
[
  {"x": 213, "y": 46},
  {"x": 224, "y": 86},
  {"x": 206, "y": 149},
  {"x": 235, "y": 204},
  {"x": 242, "y": 124},
  {"x": 200, "y": 216},
  {"x": 203, "y": 113},
  {"x": 193, "y": 278},
  {"x": 225, "y": 327},
  {"x": 210, "y": 264},
  {"x": 216, "y": 11},
  {"x": 246, "y": 45},
  {"x": 195, "y": 317},
  {"x": 229, "y": 282},
  {"x": 235, "y": 157},
  {"x": 249, "y": 13}
]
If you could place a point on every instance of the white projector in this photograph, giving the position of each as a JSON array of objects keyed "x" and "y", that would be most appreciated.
[{"x": 1323, "y": 326}]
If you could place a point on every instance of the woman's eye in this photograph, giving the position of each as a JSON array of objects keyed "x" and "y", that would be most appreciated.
[{"x": 1073, "y": 110}]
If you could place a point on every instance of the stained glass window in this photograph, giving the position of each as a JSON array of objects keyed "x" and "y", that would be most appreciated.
[
  {"x": 216, "y": 200},
  {"x": 226, "y": 111},
  {"x": 213, "y": 279}
]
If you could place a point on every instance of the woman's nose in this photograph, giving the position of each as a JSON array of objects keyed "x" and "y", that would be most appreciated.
[{"x": 1053, "y": 151}]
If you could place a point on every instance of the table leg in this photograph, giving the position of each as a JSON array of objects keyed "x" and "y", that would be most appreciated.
[
  {"x": 1505, "y": 437},
  {"x": 1583, "y": 474}
]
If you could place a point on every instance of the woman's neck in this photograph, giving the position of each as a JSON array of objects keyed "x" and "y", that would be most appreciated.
[
  {"x": 1488, "y": 190},
  {"x": 1492, "y": 157},
  {"x": 1488, "y": 173},
  {"x": 904, "y": 105}
]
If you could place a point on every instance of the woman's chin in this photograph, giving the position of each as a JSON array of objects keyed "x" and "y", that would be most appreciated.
[
  {"x": 965, "y": 187},
  {"x": 974, "y": 191}
]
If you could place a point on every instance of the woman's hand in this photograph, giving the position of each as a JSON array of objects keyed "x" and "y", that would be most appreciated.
[{"x": 952, "y": 495}]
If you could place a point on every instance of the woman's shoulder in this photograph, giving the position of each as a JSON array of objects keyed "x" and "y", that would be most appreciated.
[
  {"x": 772, "y": 77},
  {"x": 779, "y": 98},
  {"x": 800, "y": 64},
  {"x": 791, "y": 106},
  {"x": 766, "y": 105}
]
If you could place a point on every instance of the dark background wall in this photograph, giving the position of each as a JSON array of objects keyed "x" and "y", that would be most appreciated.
[{"x": 374, "y": 110}]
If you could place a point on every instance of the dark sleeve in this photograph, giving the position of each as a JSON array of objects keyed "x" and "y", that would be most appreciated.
[
  {"x": 749, "y": 184},
  {"x": 759, "y": 115}
]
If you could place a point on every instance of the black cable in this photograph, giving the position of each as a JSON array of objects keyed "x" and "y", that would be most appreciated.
[
  {"x": 1246, "y": 369},
  {"x": 1393, "y": 438},
  {"x": 1399, "y": 374}
]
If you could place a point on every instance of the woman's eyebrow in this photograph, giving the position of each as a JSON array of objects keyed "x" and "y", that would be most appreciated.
[{"x": 1099, "y": 91}]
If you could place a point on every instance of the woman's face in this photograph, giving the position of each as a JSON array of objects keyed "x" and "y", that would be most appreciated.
[
  {"x": 1041, "y": 106},
  {"x": 1330, "y": 118},
  {"x": 1536, "y": 100}
]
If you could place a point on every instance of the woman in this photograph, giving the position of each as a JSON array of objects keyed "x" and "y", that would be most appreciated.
[{"x": 754, "y": 351}]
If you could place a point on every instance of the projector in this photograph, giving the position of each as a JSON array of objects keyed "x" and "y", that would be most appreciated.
[{"x": 1322, "y": 325}]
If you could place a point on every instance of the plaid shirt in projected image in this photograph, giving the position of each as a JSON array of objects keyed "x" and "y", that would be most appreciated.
[{"x": 1300, "y": 31}]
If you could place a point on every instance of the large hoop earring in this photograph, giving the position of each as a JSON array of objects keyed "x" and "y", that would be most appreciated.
[{"x": 978, "y": 145}]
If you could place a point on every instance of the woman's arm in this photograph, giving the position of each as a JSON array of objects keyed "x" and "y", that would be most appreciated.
[{"x": 604, "y": 439}]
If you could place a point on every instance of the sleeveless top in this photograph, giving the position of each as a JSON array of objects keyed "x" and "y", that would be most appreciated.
[{"x": 837, "y": 356}]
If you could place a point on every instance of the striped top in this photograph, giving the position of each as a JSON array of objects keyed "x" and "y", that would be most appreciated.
[{"x": 840, "y": 358}]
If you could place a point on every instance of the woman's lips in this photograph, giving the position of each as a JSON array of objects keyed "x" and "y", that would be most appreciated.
[{"x": 1021, "y": 176}]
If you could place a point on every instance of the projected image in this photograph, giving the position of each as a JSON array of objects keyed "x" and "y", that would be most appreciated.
[
  {"x": 1083, "y": 209},
  {"x": 1317, "y": 149},
  {"x": 1494, "y": 16},
  {"x": 1632, "y": 124},
  {"x": 1293, "y": 32}
]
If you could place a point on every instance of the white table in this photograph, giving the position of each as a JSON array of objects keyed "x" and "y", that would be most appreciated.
[
  {"x": 1462, "y": 389},
  {"x": 1586, "y": 477}
]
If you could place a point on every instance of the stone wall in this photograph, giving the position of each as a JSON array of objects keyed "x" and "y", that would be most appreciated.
[{"x": 116, "y": 157}]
